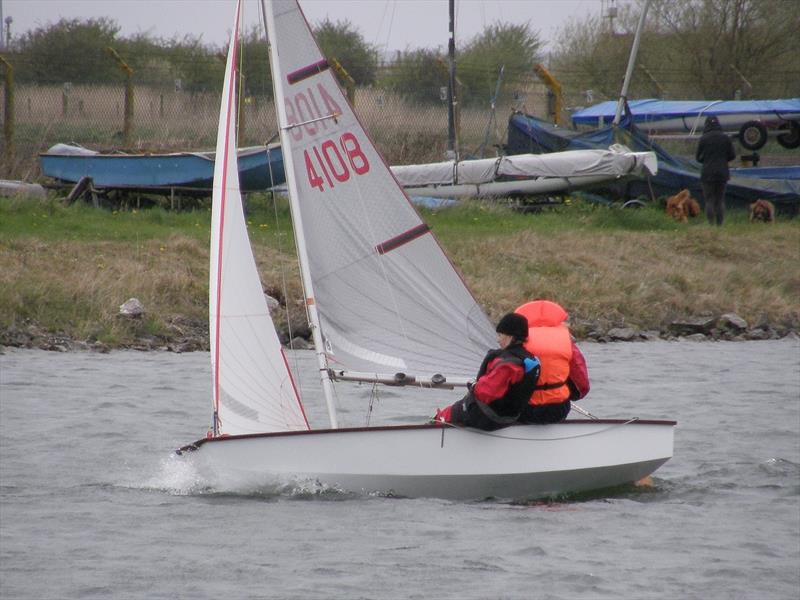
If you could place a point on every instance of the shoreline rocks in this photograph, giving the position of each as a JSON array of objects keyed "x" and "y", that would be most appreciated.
[{"x": 184, "y": 336}]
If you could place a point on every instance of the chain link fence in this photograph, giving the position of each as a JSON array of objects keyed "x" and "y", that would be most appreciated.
[{"x": 166, "y": 118}]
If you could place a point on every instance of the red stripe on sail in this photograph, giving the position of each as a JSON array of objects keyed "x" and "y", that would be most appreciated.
[
  {"x": 306, "y": 72},
  {"x": 294, "y": 388},
  {"x": 223, "y": 200},
  {"x": 403, "y": 238}
]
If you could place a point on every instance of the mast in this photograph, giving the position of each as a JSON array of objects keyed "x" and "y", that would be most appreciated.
[
  {"x": 623, "y": 96},
  {"x": 297, "y": 223}
]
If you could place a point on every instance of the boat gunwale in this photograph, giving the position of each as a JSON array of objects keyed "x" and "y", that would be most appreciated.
[{"x": 196, "y": 445}]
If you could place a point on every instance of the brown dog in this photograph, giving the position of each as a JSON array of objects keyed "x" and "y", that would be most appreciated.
[
  {"x": 762, "y": 210},
  {"x": 681, "y": 206}
]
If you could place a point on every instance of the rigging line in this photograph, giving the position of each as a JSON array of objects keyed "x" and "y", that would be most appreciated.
[
  {"x": 523, "y": 439},
  {"x": 240, "y": 81},
  {"x": 373, "y": 397},
  {"x": 285, "y": 291},
  {"x": 284, "y": 284},
  {"x": 585, "y": 413},
  {"x": 391, "y": 24}
]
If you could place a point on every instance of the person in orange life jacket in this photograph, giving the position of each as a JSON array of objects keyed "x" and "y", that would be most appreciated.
[
  {"x": 564, "y": 375},
  {"x": 506, "y": 379}
]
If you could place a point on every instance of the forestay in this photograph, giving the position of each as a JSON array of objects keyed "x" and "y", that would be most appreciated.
[
  {"x": 252, "y": 388},
  {"x": 388, "y": 299}
]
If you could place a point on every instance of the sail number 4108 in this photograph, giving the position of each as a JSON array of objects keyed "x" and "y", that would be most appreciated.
[{"x": 331, "y": 161}]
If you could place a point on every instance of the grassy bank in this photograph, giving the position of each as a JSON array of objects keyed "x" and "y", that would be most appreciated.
[{"x": 65, "y": 271}]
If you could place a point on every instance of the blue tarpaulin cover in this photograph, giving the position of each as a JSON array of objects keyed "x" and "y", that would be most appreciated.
[
  {"x": 529, "y": 134},
  {"x": 651, "y": 110}
]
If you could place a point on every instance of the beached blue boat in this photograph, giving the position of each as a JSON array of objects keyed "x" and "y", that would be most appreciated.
[
  {"x": 751, "y": 120},
  {"x": 780, "y": 185},
  {"x": 260, "y": 168}
]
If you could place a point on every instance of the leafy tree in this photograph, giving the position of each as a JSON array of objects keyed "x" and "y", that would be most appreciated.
[
  {"x": 255, "y": 64},
  {"x": 513, "y": 46},
  {"x": 341, "y": 41},
  {"x": 198, "y": 68},
  {"x": 417, "y": 75},
  {"x": 147, "y": 57},
  {"x": 70, "y": 50}
]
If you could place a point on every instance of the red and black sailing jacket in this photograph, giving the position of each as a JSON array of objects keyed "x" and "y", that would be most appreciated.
[{"x": 524, "y": 374}]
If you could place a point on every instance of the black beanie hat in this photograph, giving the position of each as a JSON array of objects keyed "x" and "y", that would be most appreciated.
[{"x": 514, "y": 325}]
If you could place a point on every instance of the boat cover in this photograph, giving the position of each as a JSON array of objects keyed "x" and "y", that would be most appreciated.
[
  {"x": 528, "y": 134},
  {"x": 616, "y": 161}
]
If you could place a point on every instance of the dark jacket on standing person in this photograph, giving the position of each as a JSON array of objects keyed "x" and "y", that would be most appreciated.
[{"x": 714, "y": 151}]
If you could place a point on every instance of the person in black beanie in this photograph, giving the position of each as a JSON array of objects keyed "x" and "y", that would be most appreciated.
[
  {"x": 714, "y": 151},
  {"x": 505, "y": 382}
]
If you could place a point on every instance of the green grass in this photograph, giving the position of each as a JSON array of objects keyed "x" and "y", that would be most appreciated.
[{"x": 67, "y": 269}]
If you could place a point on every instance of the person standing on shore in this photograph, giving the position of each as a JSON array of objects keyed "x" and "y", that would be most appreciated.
[{"x": 714, "y": 151}]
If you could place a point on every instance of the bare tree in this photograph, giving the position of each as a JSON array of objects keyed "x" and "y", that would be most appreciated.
[
  {"x": 715, "y": 49},
  {"x": 746, "y": 46}
]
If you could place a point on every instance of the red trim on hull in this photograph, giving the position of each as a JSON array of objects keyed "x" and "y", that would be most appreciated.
[{"x": 200, "y": 442}]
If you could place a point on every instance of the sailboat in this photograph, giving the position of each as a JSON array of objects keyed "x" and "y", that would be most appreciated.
[{"x": 385, "y": 306}]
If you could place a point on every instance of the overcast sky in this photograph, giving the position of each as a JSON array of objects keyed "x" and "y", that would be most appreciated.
[{"x": 389, "y": 24}]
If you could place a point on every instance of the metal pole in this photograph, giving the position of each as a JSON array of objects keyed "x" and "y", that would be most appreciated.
[
  {"x": 452, "y": 151},
  {"x": 8, "y": 113},
  {"x": 631, "y": 62}
]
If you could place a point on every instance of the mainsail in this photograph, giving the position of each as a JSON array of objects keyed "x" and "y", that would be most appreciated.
[
  {"x": 387, "y": 297},
  {"x": 252, "y": 386}
]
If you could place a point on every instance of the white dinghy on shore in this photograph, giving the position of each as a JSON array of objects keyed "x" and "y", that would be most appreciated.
[
  {"x": 385, "y": 306},
  {"x": 525, "y": 174}
]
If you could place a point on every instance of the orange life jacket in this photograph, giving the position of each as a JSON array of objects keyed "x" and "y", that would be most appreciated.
[{"x": 550, "y": 341}]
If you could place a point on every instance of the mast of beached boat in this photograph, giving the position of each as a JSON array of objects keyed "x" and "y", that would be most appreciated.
[{"x": 623, "y": 96}]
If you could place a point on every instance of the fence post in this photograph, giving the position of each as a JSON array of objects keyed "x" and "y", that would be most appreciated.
[
  {"x": 8, "y": 112},
  {"x": 127, "y": 124}
]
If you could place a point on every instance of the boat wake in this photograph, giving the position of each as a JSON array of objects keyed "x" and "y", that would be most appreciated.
[
  {"x": 177, "y": 477},
  {"x": 180, "y": 477}
]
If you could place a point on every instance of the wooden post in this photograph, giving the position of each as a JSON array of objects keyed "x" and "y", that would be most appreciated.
[
  {"x": 127, "y": 123},
  {"x": 8, "y": 113}
]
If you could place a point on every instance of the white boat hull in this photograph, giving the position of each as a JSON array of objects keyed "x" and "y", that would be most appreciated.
[
  {"x": 544, "y": 185},
  {"x": 522, "y": 461}
]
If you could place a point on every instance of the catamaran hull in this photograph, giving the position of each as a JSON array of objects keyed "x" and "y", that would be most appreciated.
[
  {"x": 519, "y": 187},
  {"x": 524, "y": 461}
]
